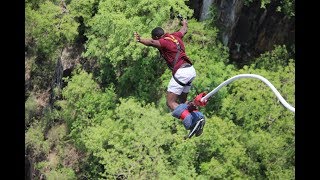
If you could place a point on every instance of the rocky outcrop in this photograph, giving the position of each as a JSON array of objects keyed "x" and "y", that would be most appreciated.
[
  {"x": 70, "y": 56},
  {"x": 229, "y": 12},
  {"x": 197, "y": 8},
  {"x": 258, "y": 30},
  {"x": 205, "y": 9},
  {"x": 248, "y": 30},
  {"x": 27, "y": 168}
]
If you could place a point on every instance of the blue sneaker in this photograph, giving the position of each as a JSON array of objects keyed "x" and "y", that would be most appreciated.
[{"x": 197, "y": 129}]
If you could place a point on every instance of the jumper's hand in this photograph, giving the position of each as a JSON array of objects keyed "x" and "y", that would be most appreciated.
[
  {"x": 191, "y": 106},
  {"x": 184, "y": 21},
  {"x": 137, "y": 36},
  {"x": 180, "y": 17}
]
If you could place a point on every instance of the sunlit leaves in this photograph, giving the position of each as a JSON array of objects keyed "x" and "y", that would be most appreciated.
[
  {"x": 85, "y": 103},
  {"x": 131, "y": 144},
  {"x": 50, "y": 27},
  {"x": 83, "y": 8}
]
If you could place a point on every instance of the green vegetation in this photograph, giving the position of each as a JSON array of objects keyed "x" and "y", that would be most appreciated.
[
  {"x": 112, "y": 122},
  {"x": 285, "y": 6}
]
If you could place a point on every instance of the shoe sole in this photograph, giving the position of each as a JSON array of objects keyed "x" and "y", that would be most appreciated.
[
  {"x": 200, "y": 131},
  {"x": 197, "y": 127}
]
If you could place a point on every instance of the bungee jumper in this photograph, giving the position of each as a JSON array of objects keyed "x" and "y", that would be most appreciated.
[{"x": 172, "y": 49}]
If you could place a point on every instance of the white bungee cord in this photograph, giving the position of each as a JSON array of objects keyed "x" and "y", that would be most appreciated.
[{"x": 284, "y": 102}]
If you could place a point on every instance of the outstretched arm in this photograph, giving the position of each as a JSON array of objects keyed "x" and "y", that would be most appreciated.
[
  {"x": 184, "y": 27},
  {"x": 147, "y": 42}
]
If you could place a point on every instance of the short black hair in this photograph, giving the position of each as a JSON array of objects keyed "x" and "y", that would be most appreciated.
[{"x": 158, "y": 31}]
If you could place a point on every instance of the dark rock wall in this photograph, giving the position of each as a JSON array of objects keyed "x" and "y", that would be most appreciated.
[{"x": 248, "y": 30}]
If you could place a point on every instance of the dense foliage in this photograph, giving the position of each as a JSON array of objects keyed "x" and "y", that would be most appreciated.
[{"x": 113, "y": 123}]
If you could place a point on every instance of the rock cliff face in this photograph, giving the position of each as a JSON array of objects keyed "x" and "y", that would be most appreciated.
[
  {"x": 205, "y": 8},
  {"x": 229, "y": 12},
  {"x": 70, "y": 56},
  {"x": 258, "y": 30},
  {"x": 248, "y": 30},
  {"x": 27, "y": 168}
]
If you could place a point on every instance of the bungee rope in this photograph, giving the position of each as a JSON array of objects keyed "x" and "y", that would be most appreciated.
[{"x": 204, "y": 97}]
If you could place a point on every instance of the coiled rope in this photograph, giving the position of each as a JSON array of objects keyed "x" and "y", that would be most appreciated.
[{"x": 284, "y": 102}]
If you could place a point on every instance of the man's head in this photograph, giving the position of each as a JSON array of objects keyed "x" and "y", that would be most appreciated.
[{"x": 156, "y": 33}]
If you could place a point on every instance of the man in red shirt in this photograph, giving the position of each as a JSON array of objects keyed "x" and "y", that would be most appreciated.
[{"x": 172, "y": 49}]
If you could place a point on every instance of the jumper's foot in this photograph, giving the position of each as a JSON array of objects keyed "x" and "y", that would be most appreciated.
[{"x": 197, "y": 129}]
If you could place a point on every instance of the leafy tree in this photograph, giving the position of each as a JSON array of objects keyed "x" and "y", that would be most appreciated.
[
  {"x": 62, "y": 173},
  {"x": 273, "y": 60},
  {"x": 50, "y": 27},
  {"x": 53, "y": 166},
  {"x": 222, "y": 155},
  {"x": 131, "y": 144},
  {"x": 84, "y": 8},
  {"x": 269, "y": 126},
  {"x": 35, "y": 141},
  {"x": 272, "y": 152},
  {"x": 84, "y": 101},
  {"x": 30, "y": 109},
  {"x": 253, "y": 99},
  {"x": 34, "y": 4}
]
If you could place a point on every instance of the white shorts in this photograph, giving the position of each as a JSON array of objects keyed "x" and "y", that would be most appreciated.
[{"x": 184, "y": 75}]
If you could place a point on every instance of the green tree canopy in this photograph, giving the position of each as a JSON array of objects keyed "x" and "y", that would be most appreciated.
[
  {"x": 50, "y": 27},
  {"x": 115, "y": 124}
]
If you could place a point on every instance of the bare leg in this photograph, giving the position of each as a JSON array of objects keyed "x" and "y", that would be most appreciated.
[
  {"x": 172, "y": 100},
  {"x": 183, "y": 97}
]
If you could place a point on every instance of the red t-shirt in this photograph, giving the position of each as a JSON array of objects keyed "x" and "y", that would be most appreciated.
[{"x": 169, "y": 50}]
